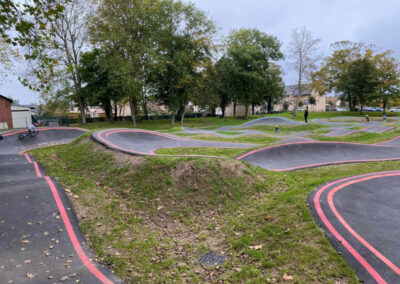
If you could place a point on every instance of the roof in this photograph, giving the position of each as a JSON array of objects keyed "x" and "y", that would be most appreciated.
[
  {"x": 292, "y": 89},
  {"x": 1, "y": 96}
]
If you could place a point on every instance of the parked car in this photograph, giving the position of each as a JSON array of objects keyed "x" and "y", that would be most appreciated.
[{"x": 397, "y": 109}]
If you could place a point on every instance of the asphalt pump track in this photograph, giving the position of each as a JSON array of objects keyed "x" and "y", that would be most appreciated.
[
  {"x": 40, "y": 239},
  {"x": 358, "y": 214},
  {"x": 144, "y": 142}
]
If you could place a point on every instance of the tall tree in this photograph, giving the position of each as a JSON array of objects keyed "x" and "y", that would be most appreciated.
[
  {"x": 388, "y": 77},
  {"x": 362, "y": 80},
  {"x": 184, "y": 49},
  {"x": 250, "y": 53},
  {"x": 273, "y": 90},
  {"x": 127, "y": 32},
  {"x": 8, "y": 55},
  {"x": 60, "y": 54},
  {"x": 303, "y": 50},
  {"x": 334, "y": 72}
]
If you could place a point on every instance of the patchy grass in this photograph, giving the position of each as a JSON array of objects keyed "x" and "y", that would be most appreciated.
[
  {"x": 150, "y": 218},
  {"x": 360, "y": 137},
  {"x": 257, "y": 139},
  {"x": 229, "y": 133},
  {"x": 203, "y": 151}
]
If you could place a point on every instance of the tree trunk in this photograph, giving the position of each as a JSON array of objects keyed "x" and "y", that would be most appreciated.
[
  {"x": 246, "y": 114},
  {"x": 183, "y": 116},
  {"x": 213, "y": 112},
  {"x": 384, "y": 104},
  {"x": 234, "y": 109},
  {"x": 173, "y": 118},
  {"x": 269, "y": 104},
  {"x": 132, "y": 105},
  {"x": 223, "y": 111},
  {"x": 298, "y": 95},
  {"x": 252, "y": 109},
  {"x": 82, "y": 109},
  {"x": 115, "y": 111},
  {"x": 108, "y": 110}
]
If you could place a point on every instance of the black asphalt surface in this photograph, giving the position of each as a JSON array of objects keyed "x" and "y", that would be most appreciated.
[
  {"x": 294, "y": 156},
  {"x": 46, "y": 137},
  {"x": 360, "y": 216},
  {"x": 40, "y": 239},
  {"x": 143, "y": 142}
]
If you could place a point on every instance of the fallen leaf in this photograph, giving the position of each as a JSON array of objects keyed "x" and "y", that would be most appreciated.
[
  {"x": 30, "y": 275},
  {"x": 287, "y": 277}
]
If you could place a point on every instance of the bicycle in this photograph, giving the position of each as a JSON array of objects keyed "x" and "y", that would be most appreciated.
[{"x": 28, "y": 133}]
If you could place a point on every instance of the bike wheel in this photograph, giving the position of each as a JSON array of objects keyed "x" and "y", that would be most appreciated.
[
  {"x": 34, "y": 133},
  {"x": 21, "y": 136}
]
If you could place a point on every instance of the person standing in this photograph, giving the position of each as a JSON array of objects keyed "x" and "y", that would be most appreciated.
[{"x": 306, "y": 115}]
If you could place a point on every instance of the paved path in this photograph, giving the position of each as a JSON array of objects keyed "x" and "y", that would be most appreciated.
[
  {"x": 144, "y": 142},
  {"x": 40, "y": 239},
  {"x": 299, "y": 155},
  {"x": 360, "y": 216}
]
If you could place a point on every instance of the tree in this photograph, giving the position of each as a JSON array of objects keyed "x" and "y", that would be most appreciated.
[
  {"x": 99, "y": 88},
  {"x": 362, "y": 80},
  {"x": 250, "y": 53},
  {"x": 129, "y": 32},
  {"x": 273, "y": 90},
  {"x": 184, "y": 49},
  {"x": 220, "y": 83},
  {"x": 334, "y": 72},
  {"x": 388, "y": 77},
  {"x": 60, "y": 53},
  {"x": 7, "y": 57},
  {"x": 303, "y": 52},
  {"x": 205, "y": 94}
]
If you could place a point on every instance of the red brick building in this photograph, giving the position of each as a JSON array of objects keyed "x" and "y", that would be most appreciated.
[{"x": 5, "y": 113}]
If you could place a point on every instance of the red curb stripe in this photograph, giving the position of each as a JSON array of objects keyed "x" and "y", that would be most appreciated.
[
  {"x": 28, "y": 158},
  {"x": 323, "y": 218},
  {"x": 72, "y": 236},
  {"x": 331, "y": 194},
  {"x": 70, "y": 230},
  {"x": 339, "y": 237},
  {"x": 38, "y": 173}
]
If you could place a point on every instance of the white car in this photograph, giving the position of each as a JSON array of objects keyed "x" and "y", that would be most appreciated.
[{"x": 397, "y": 109}]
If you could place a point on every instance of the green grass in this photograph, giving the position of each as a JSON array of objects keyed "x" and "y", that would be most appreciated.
[
  {"x": 202, "y": 151},
  {"x": 233, "y": 133},
  {"x": 150, "y": 218},
  {"x": 256, "y": 139},
  {"x": 360, "y": 137}
]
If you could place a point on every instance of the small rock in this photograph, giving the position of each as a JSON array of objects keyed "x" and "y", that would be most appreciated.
[
  {"x": 64, "y": 278},
  {"x": 27, "y": 261},
  {"x": 76, "y": 196},
  {"x": 45, "y": 233}
]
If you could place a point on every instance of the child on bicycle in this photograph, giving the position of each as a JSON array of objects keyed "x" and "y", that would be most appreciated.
[{"x": 32, "y": 127}]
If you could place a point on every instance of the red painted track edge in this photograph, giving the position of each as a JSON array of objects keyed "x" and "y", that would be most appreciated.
[{"x": 67, "y": 223}]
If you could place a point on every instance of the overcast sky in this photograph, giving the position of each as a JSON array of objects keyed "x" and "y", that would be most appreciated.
[{"x": 371, "y": 21}]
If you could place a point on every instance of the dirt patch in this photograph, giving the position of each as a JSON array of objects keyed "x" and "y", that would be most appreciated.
[{"x": 121, "y": 159}]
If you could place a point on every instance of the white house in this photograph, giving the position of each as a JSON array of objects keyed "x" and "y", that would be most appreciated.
[{"x": 21, "y": 116}]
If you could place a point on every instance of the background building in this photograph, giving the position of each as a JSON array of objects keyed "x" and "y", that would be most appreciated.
[{"x": 5, "y": 113}]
